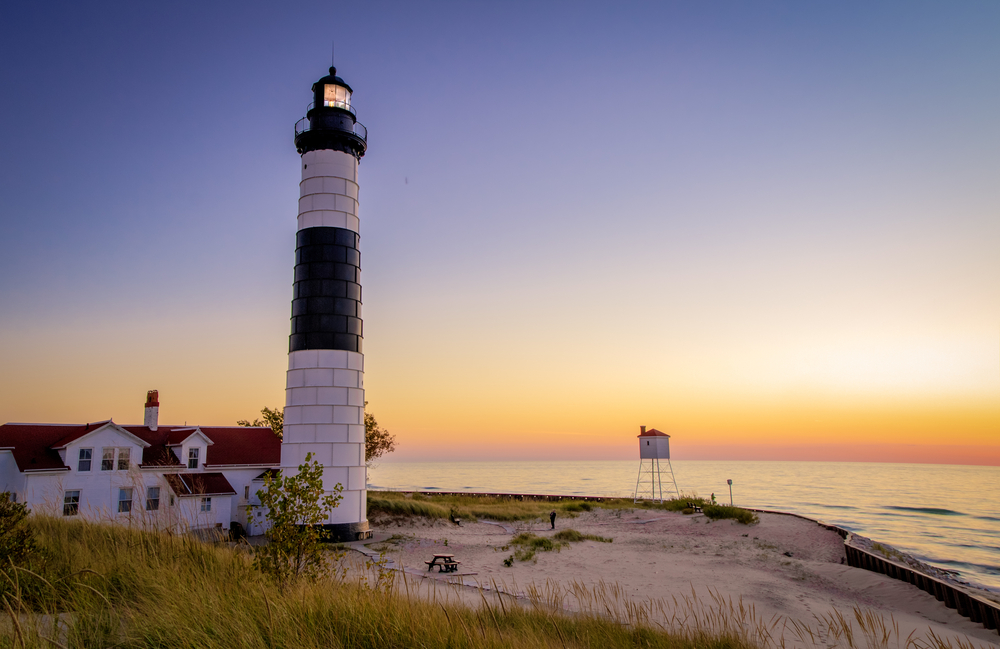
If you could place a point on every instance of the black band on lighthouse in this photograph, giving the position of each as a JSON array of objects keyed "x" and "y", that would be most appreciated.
[{"x": 326, "y": 302}]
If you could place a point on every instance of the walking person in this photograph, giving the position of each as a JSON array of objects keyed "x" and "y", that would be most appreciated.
[{"x": 552, "y": 518}]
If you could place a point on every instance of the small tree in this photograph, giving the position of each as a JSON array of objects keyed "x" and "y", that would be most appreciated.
[
  {"x": 378, "y": 441},
  {"x": 272, "y": 417},
  {"x": 296, "y": 507}
]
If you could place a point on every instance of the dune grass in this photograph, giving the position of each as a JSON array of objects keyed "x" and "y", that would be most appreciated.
[
  {"x": 528, "y": 543},
  {"x": 572, "y": 536},
  {"x": 717, "y": 512},
  {"x": 109, "y": 586}
]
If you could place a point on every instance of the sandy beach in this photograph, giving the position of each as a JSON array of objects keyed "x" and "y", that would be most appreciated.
[{"x": 783, "y": 570}]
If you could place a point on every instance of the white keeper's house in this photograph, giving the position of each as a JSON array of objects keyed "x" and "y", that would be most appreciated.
[{"x": 177, "y": 478}]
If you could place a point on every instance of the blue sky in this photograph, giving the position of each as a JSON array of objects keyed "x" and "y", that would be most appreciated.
[{"x": 576, "y": 217}]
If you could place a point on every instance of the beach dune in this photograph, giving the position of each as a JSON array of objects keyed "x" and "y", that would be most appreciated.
[{"x": 784, "y": 568}]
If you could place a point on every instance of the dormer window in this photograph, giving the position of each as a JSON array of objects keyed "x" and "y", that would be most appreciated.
[{"x": 193, "y": 458}]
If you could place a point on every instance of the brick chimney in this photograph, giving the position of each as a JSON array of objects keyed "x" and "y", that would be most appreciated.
[
  {"x": 152, "y": 410},
  {"x": 642, "y": 430}
]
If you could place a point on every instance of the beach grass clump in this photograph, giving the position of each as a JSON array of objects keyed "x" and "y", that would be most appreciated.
[
  {"x": 528, "y": 544},
  {"x": 572, "y": 536},
  {"x": 717, "y": 512}
]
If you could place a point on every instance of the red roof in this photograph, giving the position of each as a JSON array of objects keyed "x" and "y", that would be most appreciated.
[
  {"x": 231, "y": 444},
  {"x": 652, "y": 432},
  {"x": 240, "y": 445},
  {"x": 78, "y": 432},
  {"x": 176, "y": 436},
  {"x": 33, "y": 445},
  {"x": 199, "y": 484}
]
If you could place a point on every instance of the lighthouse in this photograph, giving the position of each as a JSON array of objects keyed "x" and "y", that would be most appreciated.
[{"x": 324, "y": 394}]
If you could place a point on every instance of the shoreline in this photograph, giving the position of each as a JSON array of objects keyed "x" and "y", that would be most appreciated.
[{"x": 976, "y": 604}]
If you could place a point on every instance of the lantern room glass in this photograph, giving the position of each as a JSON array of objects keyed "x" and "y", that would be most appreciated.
[{"x": 336, "y": 96}]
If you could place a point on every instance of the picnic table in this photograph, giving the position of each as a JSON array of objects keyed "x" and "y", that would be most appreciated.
[{"x": 445, "y": 563}]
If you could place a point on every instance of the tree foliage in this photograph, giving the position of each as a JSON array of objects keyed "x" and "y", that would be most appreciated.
[
  {"x": 378, "y": 441},
  {"x": 274, "y": 418},
  {"x": 17, "y": 541},
  {"x": 296, "y": 508}
]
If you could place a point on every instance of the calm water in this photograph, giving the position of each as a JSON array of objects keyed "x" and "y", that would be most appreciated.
[{"x": 945, "y": 515}]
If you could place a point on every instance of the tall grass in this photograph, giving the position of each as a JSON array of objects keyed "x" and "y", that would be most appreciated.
[{"x": 113, "y": 587}]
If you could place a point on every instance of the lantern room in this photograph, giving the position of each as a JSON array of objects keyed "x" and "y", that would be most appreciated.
[
  {"x": 332, "y": 92},
  {"x": 331, "y": 122}
]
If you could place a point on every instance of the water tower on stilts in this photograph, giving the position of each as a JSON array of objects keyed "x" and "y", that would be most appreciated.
[{"x": 653, "y": 447}]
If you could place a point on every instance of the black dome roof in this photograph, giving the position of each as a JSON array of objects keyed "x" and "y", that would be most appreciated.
[{"x": 333, "y": 78}]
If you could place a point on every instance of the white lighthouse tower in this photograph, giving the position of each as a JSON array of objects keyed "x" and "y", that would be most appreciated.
[
  {"x": 653, "y": 447},
  {"x": 324, "y": 395}
]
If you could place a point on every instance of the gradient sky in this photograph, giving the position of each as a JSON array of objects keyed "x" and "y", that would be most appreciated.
[{"x": 771, "y": 229}]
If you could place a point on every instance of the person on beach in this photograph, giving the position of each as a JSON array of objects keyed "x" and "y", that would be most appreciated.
[{"x": 552, "y": 518}]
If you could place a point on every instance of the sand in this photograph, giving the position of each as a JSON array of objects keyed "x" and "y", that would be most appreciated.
[{"x": 785, "y": 568}]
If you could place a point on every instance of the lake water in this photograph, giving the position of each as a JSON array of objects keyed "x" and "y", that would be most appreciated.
[{"x": 948, "y": 516}]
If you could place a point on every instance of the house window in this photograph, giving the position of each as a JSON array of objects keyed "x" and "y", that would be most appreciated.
[
  {"x": 124, "y": 455},
  {"x": 206, "y": 504},
  {"x": 107, "y": 459},
  {"x": 152, "y": 499},
  {"x": 124, "y": 500},
  {"x": 193, "y": 458},
  {"x": 246, "y": 492},
  {"x": 71, "y": 503},
  {"x": 85, "y": 456},
  {"x": 171, "y": 501}
]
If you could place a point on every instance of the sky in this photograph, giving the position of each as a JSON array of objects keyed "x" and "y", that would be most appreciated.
[{"x": 768, "y": 229}]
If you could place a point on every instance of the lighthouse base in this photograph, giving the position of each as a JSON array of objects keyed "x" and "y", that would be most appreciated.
[{"x": 347, "y": 532}]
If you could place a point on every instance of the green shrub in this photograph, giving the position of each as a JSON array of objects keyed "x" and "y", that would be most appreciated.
[
  {"x": 295, "y": 507},
  {"x": 716, "y": 512},
  {"x": 19, "y": 553}
]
